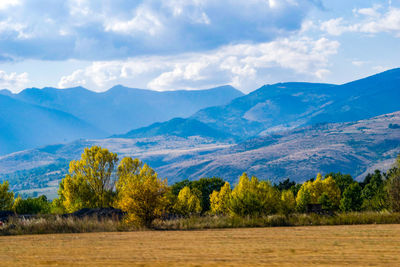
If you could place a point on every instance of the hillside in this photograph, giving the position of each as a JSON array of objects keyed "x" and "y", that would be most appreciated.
[
  {"x": 177, "y": 127},
  {"x": 352, "y": 147},
  {"x": 299, "y": 154},
  {"x": 285, "y": 106}
]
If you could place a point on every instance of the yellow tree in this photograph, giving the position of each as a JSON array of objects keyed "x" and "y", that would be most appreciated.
[
  {"x": 6, "y": 197},
  {"x": 140, "y": 192},
  {"x": 220, "y": 201},
  {"x": 288, "y": 202},
  {"x": 252, "y": 197},
  {"x": 303, "y": 198},
  {"x": 318, "y": 191},
  {"x": 332, "y": 191},
  {"x": 89, "y": 183},
  {"x": 187, "y": 202}
]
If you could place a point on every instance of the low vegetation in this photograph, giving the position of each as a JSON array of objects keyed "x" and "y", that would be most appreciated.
[{"x": 96, "y": 181}]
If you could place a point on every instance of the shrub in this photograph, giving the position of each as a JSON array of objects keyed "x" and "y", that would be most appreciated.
[{"x": 39, "y": 205}]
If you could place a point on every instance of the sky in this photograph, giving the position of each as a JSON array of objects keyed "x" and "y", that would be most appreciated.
[{"x": 194, "y": 44}]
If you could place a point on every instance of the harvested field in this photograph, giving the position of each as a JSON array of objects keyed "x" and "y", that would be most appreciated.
[{"x": 357, "y": 245}]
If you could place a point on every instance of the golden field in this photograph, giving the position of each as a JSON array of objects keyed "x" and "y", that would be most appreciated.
[{"x": 356, "y": 245}]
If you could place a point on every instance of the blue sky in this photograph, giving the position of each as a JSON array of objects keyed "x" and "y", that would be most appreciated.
[{"x": 194, "y": 44}]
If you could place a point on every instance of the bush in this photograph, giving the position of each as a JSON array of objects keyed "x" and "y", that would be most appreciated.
[{"x": 38, "y": 205}]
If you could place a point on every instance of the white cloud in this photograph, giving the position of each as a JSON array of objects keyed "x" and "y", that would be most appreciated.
[
  {"x": 7, "y": 27},
  {"x": 388, "y": 22},
  {"x": 110, "y": 30},
  {"x": 358, "y": 63},
  {"x": 373, "y": 22},
  {"x": 13, "y": 81},
  {"x": 337, "y": 27},
  {"x": 144, "y": 21},
  {"x": 372, "y": 11},
  {"x": 245, "y": 66},
  {"x": 4, "y": 4}
]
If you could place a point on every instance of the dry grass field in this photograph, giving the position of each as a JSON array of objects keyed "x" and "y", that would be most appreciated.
[{"x": 360, "y": 245}]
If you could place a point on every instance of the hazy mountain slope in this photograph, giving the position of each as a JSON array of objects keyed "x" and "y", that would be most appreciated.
[
  {"x": 121, "y": 109},
  {"x": 24, "y": 125},
  {"x": 177, "y": 127}
]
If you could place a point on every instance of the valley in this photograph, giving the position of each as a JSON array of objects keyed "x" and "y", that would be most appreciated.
[{"x": 285, "y": 130}]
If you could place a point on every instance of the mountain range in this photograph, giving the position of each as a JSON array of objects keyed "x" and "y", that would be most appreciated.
[
  {"x": 284, "y": 130},
  {"x": 286, "y": 106},
  {"x": 36, "y": 117}
]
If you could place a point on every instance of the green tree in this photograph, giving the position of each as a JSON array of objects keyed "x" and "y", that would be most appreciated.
[
  {"x": 178, "y": 186},
  {"x": 220, "y": 200},
  {"x": 38, "y": 205},
  {"x": 341, "y": 180},
  {"x": 325, "y": 201},
  {"x": 6, "y": 197},
  {"x": 204, "y": 185},
  {"x": 89, "y": 183},
  {"x": 187, "y": 203},
  {"x": 285, "y": 185},
  {"x": 351, "y": 200},
  {"x": 140, "y": 192},
  {"x": 374, "y": 194},
  {"x": 393, "y": 186}
]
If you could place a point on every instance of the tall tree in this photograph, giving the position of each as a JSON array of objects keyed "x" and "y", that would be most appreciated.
[
  {"x": 140, "y": 192},
  {"x": 6, "y": 197},
  {"x": 351, "y": 200},
  {"x": 342, "y": 180},
  {"x": 374, "y": 195},
  {"x": 393, "y": 185},
  {"x": 254, "y": 198},
  {"x": 288, "y": 202},
  {"x": 188, "y": 202},
  {"x": 220, "y": 200},
  {"x": 90, "y": 182},
  {"x": 316, "y": 188}
]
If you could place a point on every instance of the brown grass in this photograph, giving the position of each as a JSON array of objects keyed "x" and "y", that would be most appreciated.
[{"x": 359, "y": 245}]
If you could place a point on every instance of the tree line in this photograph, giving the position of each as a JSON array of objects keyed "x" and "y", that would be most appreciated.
[{"x": 98, "y": 181}]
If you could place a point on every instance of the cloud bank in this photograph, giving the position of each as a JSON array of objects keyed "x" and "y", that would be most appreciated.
[
  {"x": 107, "y": 30},
  {"x": 245, "y": 66}
]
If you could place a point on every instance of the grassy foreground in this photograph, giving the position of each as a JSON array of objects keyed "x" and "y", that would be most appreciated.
[
  {"x": 50, "y": 224},
  {"x": 356, "y": 245}
]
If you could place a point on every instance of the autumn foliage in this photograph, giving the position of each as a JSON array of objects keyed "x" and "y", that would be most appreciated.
[{"x": 100, "y": 180}]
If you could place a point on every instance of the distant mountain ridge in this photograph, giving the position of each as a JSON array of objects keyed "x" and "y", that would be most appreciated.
[
  {"x": 120, "y": 108},
  {"x": 94, "y": 114},
  {"x": 286, "y": 106},
  {"x": 177, "y": 127}
]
